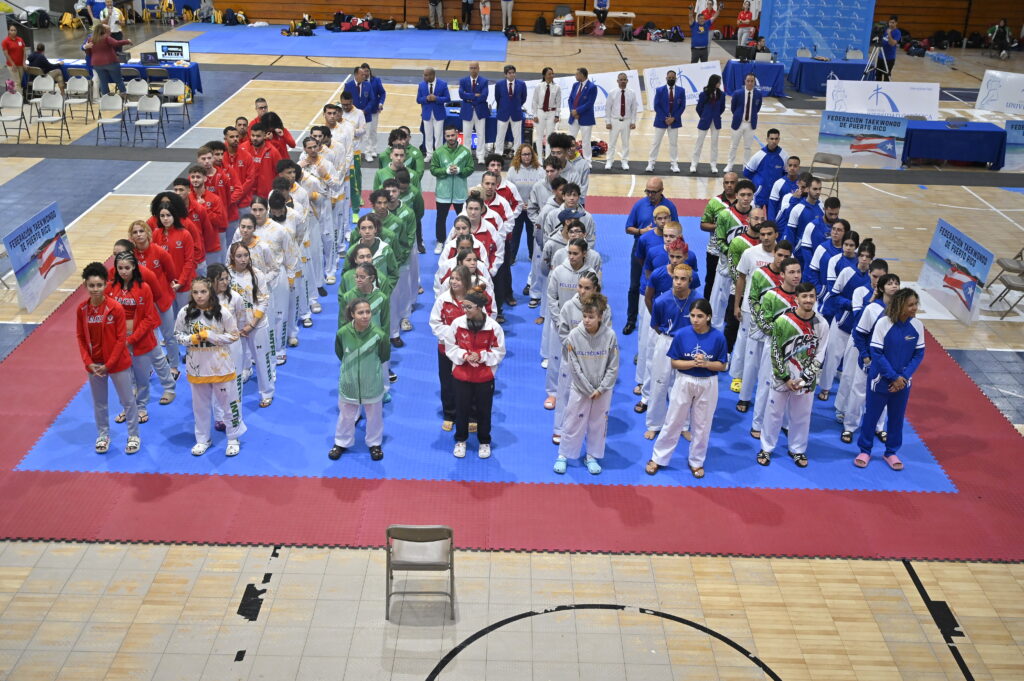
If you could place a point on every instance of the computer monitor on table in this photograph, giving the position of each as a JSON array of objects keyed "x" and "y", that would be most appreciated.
[{"x": 176, "y": 50}]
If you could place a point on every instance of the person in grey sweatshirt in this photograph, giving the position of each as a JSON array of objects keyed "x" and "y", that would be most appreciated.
[
  {"x": 591, "y": 352},
  {"x": 562, "y": 285}
]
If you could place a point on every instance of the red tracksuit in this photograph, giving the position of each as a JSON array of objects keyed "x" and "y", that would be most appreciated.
[
  {"x": 159, "y": 261},
  {"x": 198, "y": 248},
  {"x": 222, "y": 183},
  {"x": 179, "y": 244},
  {"x": 241, "y": 166},
  {"x": 215, "y": 214},
  {"x": 102, "y": 333},
  {"x": 264, "y": 162},
  {"x": 139, "y": 307}
]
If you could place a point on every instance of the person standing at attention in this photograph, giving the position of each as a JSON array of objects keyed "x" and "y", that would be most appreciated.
[
  {"x": 897, "y": 348},
  {"x": 506, "y": 18},
  {"x": 362, "y": 348},
  {"x": 640, "y": 221},
  {"x": 669, "y": 104},
  {"x": 102, "y": 341},
  {"x": 710, "y": 107},
  {"x": 620, "y": 118},
  {"x": 700, "y": 34},
  {"x": 746, "y": 103},
  {"x": 547, "y": 102},
  {"x": 509, "y": 97},
  {"x": 475, "y": 109},
  {"x": 581, "y": 109},
  {"x": 451, "y": 166},
  {"x": 432, "y": 96}
]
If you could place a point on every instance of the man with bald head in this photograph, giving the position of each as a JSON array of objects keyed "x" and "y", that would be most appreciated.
[
  {"x": 640, "y": 221},
  {"x": 432, "y": 96},
  {"x": 475, "y": 109}
]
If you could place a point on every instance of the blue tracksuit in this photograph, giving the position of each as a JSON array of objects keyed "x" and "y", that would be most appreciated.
[
  {"x": 896, "y": 350},
  {"x": 763, "y": 168}
]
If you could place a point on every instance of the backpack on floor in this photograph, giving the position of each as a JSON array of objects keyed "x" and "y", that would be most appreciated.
[
  {"x": 67, "y": 20},
  {"x": 230, "y": 18},
  {"x": 974, "y": 40},
  {"x": 676, "y": 35},
  {"x": 423, "y": 24},
  {"x": 540, "y": 27},
  {"x": 512, "y": 33},
  {"x": 955, "y": 38}
]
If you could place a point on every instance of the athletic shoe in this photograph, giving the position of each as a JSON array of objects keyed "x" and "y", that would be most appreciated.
[
  {"x": 306, "y": 323},
  {"x": 693, "y": 168},
  {"x": 526, "y": 290},
  {"x": 233, "y": 447},
  {"x": 500, "y": 318},
  {"x": 534, "y": 303},
  {"x": 406, "y": 325},
  {"x": 376, "y": 453},
  {"x": 220, "y": 427},
  {"x": 543, "y": 364},
  {"x": 674, "y": 167},
  {"x": 293, "y": 342},
  {"x": 649, "y": 168},
  {"x": 281, "y": 359},
  {"x": 397, "y": 342},
  {"x": 484, "y": 452},
  {"x": 392, "y": 376},
  {"x": 625, "y": 165},
  {"x": 199, "y": 448},
  {"x": 460, "y": 450},
  {"x": 335, "y": 452},
  {"x": 438, "y": 248},
  {"x": 421, "y": 249},
  {"x": 608, "y": 164}
]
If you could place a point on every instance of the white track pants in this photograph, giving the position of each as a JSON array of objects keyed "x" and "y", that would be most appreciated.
[
  {"x": 693, "y": 401},
  {"x": 345, "y": 430},
  {"x": 798, "y": 405},
  {"x": 225, "y": 395},
  {"x": 585, "y": 419},
  {"x": 662, "y": 377}
]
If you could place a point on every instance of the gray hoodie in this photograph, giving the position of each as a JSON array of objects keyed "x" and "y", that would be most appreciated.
[
  {"x": 572, "y": 314},
  {"x": 591, "y": 261},
  {"x": 594, "y": 359},
  {"x": 562, "y": 284}
]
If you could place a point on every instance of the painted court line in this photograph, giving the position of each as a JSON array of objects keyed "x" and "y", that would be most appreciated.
[{"x": 1007, "y": 217}]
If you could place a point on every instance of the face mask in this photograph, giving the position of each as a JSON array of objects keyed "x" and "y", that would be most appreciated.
[{"x": 670, "y": 81}]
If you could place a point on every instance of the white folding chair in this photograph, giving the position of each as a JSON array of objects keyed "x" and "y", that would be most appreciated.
[
  {"x": 50, "y": 109},
  {"x": 173, "y": 95},
  {"x": 12, "y": 110},
  {"x": 42, "y": 85},
  {"x": 135, "y": 89},
  {"x": 111, "y": 113},
  {"x": 78, "y": 90},
  {"x": 149, "y": 105},
  {"x": 420, "y": 548}
]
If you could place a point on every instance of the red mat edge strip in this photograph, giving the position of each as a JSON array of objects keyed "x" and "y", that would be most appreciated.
[{"x": 976, "y": 446}]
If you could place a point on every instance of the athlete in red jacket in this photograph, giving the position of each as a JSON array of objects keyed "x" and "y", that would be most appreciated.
[{"x": 264, "y": 158}]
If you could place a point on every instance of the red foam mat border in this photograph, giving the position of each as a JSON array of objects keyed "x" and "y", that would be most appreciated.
[{"x": 976, "y": 445}]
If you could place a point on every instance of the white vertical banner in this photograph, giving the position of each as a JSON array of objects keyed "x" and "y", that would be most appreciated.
[
  {"x": 1001, "y": 91},
  {"x": 605, "y": 82},
  {"x": 691, "y": 77}
]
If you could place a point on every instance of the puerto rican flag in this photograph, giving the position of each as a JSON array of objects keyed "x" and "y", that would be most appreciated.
[
  {"x": 883, "y": 146},
  {"x": 962, "y": 283},
  {"x": 54, "y": 252}
]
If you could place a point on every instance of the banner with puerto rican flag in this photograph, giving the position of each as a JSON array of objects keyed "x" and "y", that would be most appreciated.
[
  {"x": 40, "y": 256},
  {"x": 955, "y": 270},
  {"x": 863, "y": 140}
]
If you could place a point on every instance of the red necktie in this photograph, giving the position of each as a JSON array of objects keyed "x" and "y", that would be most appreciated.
[
  {"x": 431, "y": 86},
  {"x": 579, "y": 93},
  {"x": 510, "y": 93},
  {"x": 746, "y": 109},
  {"x": 547, "y": 97},
  {"x": 670, "y": 98},
  {"x": 622, "y": 107}
]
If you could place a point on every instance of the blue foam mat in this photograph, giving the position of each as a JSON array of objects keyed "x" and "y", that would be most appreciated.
[
  {"x": 292, "y": 437},
  {"x": 426, "y": 45}
]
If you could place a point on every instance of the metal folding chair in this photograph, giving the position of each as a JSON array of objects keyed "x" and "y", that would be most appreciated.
[
  {"x": 111, "y": 104},
  {"x": 50, "y": 109},
  {"x": 147, "y": 106},
  {"x": 420, "y": 548},
  {"x": 12, "y": 110}
]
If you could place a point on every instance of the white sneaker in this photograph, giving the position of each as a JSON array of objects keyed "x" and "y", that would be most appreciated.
[
  {"x": 624, "y": 164},
  {"x": 608, "y": 164},
  {"x": 674, "y": 167},
  {"x": 484, "y": 452},
  {"x": 406, "y": 325},
  {"x": 438, "y": 248},
  {"x": 233, "y": 447},
  {"x": 649, "y": 168},
  {"x": 293, "y": 342},
  {"x": 693, "y": 168},
  {"x": 330, "y": 279},
  {"x": 543, "y": 364},
  {"x": 199, "y": 448},
  {"x": 460, "y": 450}
]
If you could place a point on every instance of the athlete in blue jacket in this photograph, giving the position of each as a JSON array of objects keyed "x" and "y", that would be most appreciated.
[{"x": 765, "y": 167}]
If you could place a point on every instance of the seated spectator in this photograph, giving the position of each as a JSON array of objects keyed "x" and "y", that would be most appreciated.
[
  {"x": 39, "y": 60},
  {"x": 82, "y": 9},
  {"x": 999, "y": 38}
]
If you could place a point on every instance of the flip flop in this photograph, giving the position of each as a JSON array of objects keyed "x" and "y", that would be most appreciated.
[
  {"x": 846, "y": 437},
  {"x": 652, "y": 467},
  {"x": 894, "y": 462},
  {"x": 862, "y": 460},
  {"x": 742, "y": 406},
  {"x": 698, "y": 472}
]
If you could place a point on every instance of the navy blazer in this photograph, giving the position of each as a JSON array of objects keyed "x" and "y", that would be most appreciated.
[
  {"x": 474, "y": 101},
  {"x": 710, "y": 112},
  {"x": 367, "y": 101},
  {"x": 586, "y": 105},
  {"x": 738, "y": 98},
  {"x": 435, "y": 109},
  {"x": 509, "y": 108},
  {"x": 661, "y": 110}
]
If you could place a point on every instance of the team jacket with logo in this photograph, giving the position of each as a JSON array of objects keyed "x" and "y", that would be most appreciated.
[
  {"x": 140, "y": 309},
  {"x": 207, "y": 357},
  {"x": 107, "y": 324},
  {"x": 488, "y": 342}
]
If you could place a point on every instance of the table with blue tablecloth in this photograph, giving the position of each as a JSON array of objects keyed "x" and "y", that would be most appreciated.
[
  {"x": 187, "y": 74},
  {"x": 973, "y": 142},
  {"x": 770, "y": 76},
  {"x": 810, "y": 75}
]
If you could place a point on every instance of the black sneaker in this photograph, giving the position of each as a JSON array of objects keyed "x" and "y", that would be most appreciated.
[
  {"x": 526, "y": 290},
  {"x": 321, "y": 291},
  {"x": 392, "y": 376},
  {"x": 335, "y": 453},
  {"x": 376, "y": 453},
  {"x": 421, "y": 248}
]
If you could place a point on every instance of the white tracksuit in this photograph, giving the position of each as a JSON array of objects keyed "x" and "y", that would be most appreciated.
[{"x": 256, "y": 346}]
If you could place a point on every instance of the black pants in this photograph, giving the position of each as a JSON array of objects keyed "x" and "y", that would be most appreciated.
[
  {"x": 711, "y": 263},
  {"x": 441, "y": 224},
  {"x": 473, "y": 400},
  {"x": 467, "y": 13},
  {"x": 601, "y": 14},
  {"x": 636, "y": 267},
  {"x": 880, "y": 73},
  {"x": 444, "y": 375},
  {"x": 503, "y": 279},
  {"x": 523, "y": 221},
  {"x": 698, "y": 54},
  {"x": 732, "y": 325}
]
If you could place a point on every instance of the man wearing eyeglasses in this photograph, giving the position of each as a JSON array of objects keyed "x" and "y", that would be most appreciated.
[
  {"x": 640, "y": 221},
  {"x": 261, "y": 108}
]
